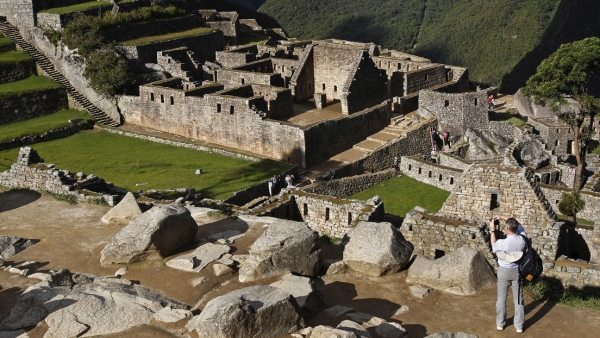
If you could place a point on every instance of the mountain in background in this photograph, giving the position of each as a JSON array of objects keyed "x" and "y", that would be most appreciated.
[{"x": 500, "y": 41}]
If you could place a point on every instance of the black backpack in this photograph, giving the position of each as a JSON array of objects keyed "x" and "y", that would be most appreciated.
[{"x": 530, "y": 265}]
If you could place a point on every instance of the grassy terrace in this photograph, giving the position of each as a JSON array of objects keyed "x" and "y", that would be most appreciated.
[
  {"x": 401, "y": 194},
  {"x": 508, "y": 117},
  {"x": 5, "y": 42},
  {"x": 170, "y": 36},
  {"x": 81, "y": 7},
  {"x": 40, "y": 124},
  {"x": 14, "y": 56},
  {"x": 126, "y": 161},
  {"x": 30, "y": 84},
  {"x": 251, "y": 38}
]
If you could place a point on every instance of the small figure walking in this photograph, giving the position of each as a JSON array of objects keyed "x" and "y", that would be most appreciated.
[
  {"x": 331, "y": 173},
  {"x": 395, "y": 166},
  {"x": 491, "y": 102},
  {"x": 270, "y": 184},
  {"x": 445, "y": 136}
]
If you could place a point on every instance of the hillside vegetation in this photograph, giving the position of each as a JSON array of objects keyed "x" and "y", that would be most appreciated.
[{"x": 489, "y": 37}]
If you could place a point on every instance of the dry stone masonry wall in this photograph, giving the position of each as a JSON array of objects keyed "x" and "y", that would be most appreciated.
[
  {"x": 430, "y": 173},
  {"x": 24, "y": 106},
  {"x": 347, "y": 186}
]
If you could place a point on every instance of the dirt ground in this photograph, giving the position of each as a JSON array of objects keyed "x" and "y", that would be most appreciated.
[{"x": 72, "y": 236}]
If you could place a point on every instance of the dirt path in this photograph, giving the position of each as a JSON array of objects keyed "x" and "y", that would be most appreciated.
[{"x": 72, "y": 236}]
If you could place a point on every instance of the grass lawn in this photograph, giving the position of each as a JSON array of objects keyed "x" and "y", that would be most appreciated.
[
  {"x": 251, "y": 38},
  {"x": 6, "y": 43},
  {"x": 14, "y": 56},
  {"x": 126, "y": 161},
  {"x": 40, "y": 124},
  {"x": 401, "y": 194},
  {"x": 30, "y": 84},
  {"x": 509, "y": 118},
  {"x": 165, "y": 37},
  {"x": 581, "y": 221},
  {"x": 77, "y": 7}
]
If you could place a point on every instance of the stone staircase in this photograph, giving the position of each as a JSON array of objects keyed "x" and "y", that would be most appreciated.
[{"x": 11, "y": 32}]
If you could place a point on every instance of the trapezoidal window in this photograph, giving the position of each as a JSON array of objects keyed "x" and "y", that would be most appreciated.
[
  {"x": 243, "y": 81},
  {"x": 556, "y": 143},
  {"x": 323, "y": 86},
  {"x": 162, "y": 98},
  {"x": 172, "y": 100},
  {"x": 305, "y": 209},
  {"x": 151, "y": 96},
  {"x": 335, "y": 88},
  {"x": 231, "y": 110},
  {"x": 349, "y": 218},
  {"x": 451, "y": 180},
  {"x": 440, "y": 178},
  {"x": 569, "y": 147},
  {"x": 429, "y": 173},
  {"x": 446, "y": 103},
  {"x": 475, "y": 101},
  {"x": 409, "y": 167},
  {"x": 419, "y": 171},
  {"x": 218, "y": 107},
  {"x": 494, "y": 202},
  {"x": 426, "y": 77},
  {"x": 326, "y": 214}
]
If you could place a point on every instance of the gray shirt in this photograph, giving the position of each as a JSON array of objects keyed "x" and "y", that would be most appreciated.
[{"x": 510, "y": 244}]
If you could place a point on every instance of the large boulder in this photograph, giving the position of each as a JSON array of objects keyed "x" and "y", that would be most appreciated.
[
  {"x": 12, "y": 245},
  {"x": 83, "y": 305},
  {"x": 531, "y": 153},
  {"x": 376, "y": 249},
  {"x": 126, "y": 211},
  {"x": 309, "y": 298},
  {"x": 255, "y": 311},
  {"x": 463, "y": 272},
  {"x": 151, "y": 236},
  {"x": 444, "y": 334},
  {"x": 286, "y": 246},
  {"x": 323, "y": 331},
  {"x": 198, "y": 259}
]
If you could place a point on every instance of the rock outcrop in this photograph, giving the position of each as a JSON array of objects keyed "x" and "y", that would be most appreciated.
[
  {"x": 463, "y": 272},
  {"x": 126, "y": 211},
  {"x": 256, "y": 311},
  {"x": 323, "y": 331},
  {"x": 308, "y": 297},
  {"x": 376, "y": 249},
  {"x": 286, "y": 246},
  {"x": 198, "y": 259},
  {"x": 83, "y": 305},
  {"x": 151, "y": 236},
  {"x": 12, "y": 245}
]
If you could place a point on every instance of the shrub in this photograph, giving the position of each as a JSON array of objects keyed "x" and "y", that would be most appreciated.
[{"x": 108, "y": 73}]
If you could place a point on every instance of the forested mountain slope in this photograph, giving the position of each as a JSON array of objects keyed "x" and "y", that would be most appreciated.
[{"x": 500, "y": 41}]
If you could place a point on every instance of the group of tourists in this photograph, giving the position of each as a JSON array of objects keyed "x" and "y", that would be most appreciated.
[{"x": 275, "y": 184}]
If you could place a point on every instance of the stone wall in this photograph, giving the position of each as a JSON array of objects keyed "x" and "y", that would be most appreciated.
[
  {"x": 343, "y": 187},
  {"x": 233, "y": 78},
  {"x": 302, "y": 82},
  {"x": 326, "y": 215},
  {"x": 592, "y": 201},
  {"x": 247, "y": 195},
  {"x": 365, "y": 85},
  {"x": 555, "y": 133},
  {"x": 204, "y": 47},
  {"x": 18, "y": 12},
  {"x": 418, "y": 79},
  {"x": 20, "y": 107},
  {"x": 14, "y": 71},
  {"x": 333, "y": 68},
  {"x": 452, "y": 161},
  {"x": 565, "y": 275},
  {"x": 48, "y": 135},
  {"x": 236, "y": 57},
  {"x": 488, "y": 190},
  {"x": 331, "y": 137},
  {"x": 430, "y": 173}
]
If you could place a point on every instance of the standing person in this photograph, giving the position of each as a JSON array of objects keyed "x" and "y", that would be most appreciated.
[
  {"x": 445, "y": 136},
  {"x": 509, "y": 251},
  {"x": 288, "y": 181},
  {"x": 331, "y": 173},
  {"x": 270, "y": 184},
  {"x": 491, "y": 102},
  {"x": 395, "y": 166}
]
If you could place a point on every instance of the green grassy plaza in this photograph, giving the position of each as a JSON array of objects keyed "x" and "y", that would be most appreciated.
[
  {"x": 30, "y": 84},
  {"x": 401, "y": 194},
  {"x": 126, "y": 161},
  {"x": 165, "y": 37},
  {"x": 14, "y": 56},
  {"x": 40, "y": 124},
  {"x": 81, "y": 7}
]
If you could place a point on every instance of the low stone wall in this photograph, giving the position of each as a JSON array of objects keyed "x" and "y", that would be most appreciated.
[
  {"x": 452, "y": 161},
  {"x": 47, "y": 136},
  {"x": 14, "y": 71},
  {"x": 347, "y": 186},
  {"x": 20, "y": 107},
  {"x": 565, "y": 275},
  {"x": 152, "y": 28},
  {"x": 242, "y": 197},
  {"x": 592, "y": 201},
  {"x": 430, "y": 173},
  {"x": 31, "y": 172}
]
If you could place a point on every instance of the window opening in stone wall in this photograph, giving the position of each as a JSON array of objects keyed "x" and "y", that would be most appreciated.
[
  {"x": 446, "y": 103},
  {"x": 569, "y": 147},
  {"x": 426, "y": 77},
  {"x": 323, "y": 86},
  {"x": 335, "y": 88},
  {"x": 283, "y": 68},
  {"x": 327, "y": 214},
  {"x": 349, "y": 218},
  {"x": 305, "y": 209},
  {"x": 537, "y": 179},
  {"x": 419, "y": 171},
  {"x": 451, "y": 180},
  {"x": 557, "y": 131},
  {"x": 151, "y": 96},
  {"x": 243, "y": 81},
  {"x": 218, "y": 107},
  {"x": 162, "y": 98},
  {"x": 475, "y": 101},
  {"x": 557, "y": 201},
  {"x": 429, "y": 173},
  {"x": 409, "y": 167},
  {"x": 169, "y": 60},
  {"x": 172, "y": 100},
  {"x": 399, "y": 66},
  {"x": 439, "y": 253},
  {"x": 494, "y": 202},
  {"x": 569, "y": 131},
  {"x": 440, "y": 178},
  {"x": 556, "y": 143},
  {"x": 231, "y": 110}
]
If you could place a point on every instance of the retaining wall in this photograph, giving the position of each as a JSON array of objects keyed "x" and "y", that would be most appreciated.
[
  {"x": 20, "y": 107},
  {"x": 347, "y": 186},
  {"x": 14, "y": 71},
  {"x": 47, "y": 136},
  {"x": 430, "y": 173}
]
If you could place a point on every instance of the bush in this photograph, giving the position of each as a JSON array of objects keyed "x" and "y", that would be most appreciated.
[{"x": 108, "y": 73}]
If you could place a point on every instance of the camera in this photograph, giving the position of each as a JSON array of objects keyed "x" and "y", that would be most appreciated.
[{"x": 496, "y": 224}]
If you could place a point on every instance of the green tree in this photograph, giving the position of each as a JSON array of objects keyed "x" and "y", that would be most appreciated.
[
  {"x": 567, "y": 74},
  {"x": 108, "y": 73},
  {"x": 571, "y": 204}
]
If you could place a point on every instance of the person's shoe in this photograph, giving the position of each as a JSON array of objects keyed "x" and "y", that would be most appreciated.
[
  {"x": 519, "y": 330},
  {"x": 500, "y": 328}
]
